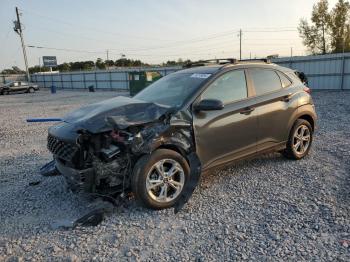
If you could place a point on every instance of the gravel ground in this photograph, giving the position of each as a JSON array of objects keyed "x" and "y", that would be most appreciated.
[{"x": 264, "y": 209}]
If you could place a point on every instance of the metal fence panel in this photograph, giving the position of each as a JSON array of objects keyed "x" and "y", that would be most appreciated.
[
  {"x": 323, "y": 71},
  {"x": 346, "y": 84},
  {"x": 99, "y": 79},
  {"x": 8, "y": 78}
]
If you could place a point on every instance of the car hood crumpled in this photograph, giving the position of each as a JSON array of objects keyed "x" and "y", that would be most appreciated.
[{"x": 120, "y": 112}]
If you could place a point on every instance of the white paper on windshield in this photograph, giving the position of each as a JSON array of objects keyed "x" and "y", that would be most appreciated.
[{"x": 203, "y": 76}]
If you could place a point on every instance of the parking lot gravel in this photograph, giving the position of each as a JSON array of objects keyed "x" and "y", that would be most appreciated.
[{"x": 268, "y": 208}]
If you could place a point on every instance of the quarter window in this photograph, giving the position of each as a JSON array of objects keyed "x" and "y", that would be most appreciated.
[
  {"x": 227, "y": 88},
  {"x": 285, "y": 81},
  {"x": 265, "y": 81}
]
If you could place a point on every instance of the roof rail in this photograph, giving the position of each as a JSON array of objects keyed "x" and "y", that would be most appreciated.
[
  {"x": 262, "y": 60},
  {"x": 225, "y": 62},
  {"x": 221, "y": 61}
]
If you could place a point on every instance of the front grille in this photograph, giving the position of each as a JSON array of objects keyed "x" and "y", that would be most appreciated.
[{"x": 61, "y": 149}]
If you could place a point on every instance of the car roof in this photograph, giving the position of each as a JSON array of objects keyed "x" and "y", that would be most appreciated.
[{"x": 211, "y": 69}]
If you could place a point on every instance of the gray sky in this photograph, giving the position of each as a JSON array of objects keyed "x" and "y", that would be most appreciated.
[{"x": 150, "y": 30}]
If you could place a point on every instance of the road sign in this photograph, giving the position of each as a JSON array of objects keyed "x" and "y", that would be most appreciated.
[{"x": 50, "y": 61}]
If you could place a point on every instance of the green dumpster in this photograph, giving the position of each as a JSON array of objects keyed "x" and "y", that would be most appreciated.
[{"x": 139, "y": 80}]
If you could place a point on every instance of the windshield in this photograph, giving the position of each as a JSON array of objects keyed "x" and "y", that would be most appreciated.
[{"x": 173, "y": 89}]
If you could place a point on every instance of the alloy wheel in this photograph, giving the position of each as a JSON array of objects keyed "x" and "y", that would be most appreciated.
[
  {"x": 301, "y": 139},
  {"x": 165, "y": 180}
]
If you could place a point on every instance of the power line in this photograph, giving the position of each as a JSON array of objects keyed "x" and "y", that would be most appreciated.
[
  {"x": 125, "y": 35},
  {"x": 262, "y": 44},
  {"x": 120, "y": 50},
  {"x": 183, "y": 42},
  {"x": 60, "y": 33},
  {"x": 170, "y": 44},
  {"x": 175, "y": 43},
  {"x": 87, "y": 27},
  {"x": 210, "y": 52},
  {"x": 214, "y": 45},
  {"x": 66, "y": 49},
  {"x": 271, "y": 31}
]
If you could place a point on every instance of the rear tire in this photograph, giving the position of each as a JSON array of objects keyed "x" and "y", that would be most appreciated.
[
  {"x": 31, "y": 90},
  {"x": 299, "y": 141},
  {"x": 158, "y": 179}
]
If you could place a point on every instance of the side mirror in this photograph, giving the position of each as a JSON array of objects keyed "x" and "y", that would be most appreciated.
[{"x": 209, "y": 105}]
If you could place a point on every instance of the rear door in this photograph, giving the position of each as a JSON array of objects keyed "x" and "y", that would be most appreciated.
[
  {"x": 275, "y": 104},
  {"x": 231, "y": 132}
]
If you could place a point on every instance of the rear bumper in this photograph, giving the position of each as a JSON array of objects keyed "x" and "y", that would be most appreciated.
[{"x": 78, "y": 180}]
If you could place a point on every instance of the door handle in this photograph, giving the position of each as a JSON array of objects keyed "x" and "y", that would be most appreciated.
[
  {"x": 286, "y": 98},
  {"x": 247, "y": 111}
]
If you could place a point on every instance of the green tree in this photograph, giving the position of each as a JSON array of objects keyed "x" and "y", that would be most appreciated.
[
  {"x": 100, "y": 64},
  {"x": 109, "y": 63},
  {"x": 37, "y": 69},
  {"x": 15, "y": 70},
  {"x": 65, "y": 67},
  {"x": 329, "y": 30},
  {"x": 315, "y": 35},
  {"x": 339, "y": 26},
  {"x": 85, "y": 65}
]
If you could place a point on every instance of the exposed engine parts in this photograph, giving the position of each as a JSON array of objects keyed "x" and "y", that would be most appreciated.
[{"x": 96, "y": 151}]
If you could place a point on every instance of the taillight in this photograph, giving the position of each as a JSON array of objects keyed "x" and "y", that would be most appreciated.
[{"x": 307, "y": 90}]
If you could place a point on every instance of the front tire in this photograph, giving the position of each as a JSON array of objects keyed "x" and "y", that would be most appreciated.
[
  {"x": 158, "y": 179},
  {"x": 300, "y": 140},
  {"x": 31, "y": 90}
]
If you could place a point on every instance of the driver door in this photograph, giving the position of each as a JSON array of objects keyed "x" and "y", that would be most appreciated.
[{"x": 230, "y": 133}]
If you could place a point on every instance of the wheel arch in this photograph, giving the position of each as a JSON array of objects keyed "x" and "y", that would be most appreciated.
[
  {"x": 308, "y": 118},
  {"x": 306, "y": 112},
  {"x": 173, "y": 147},
  {"x": 178, "y": 149}
]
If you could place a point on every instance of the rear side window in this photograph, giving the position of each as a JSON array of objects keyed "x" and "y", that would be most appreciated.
[
  {"x": 228, "y": 88},
  {"x": 265, "y": 81},
  {"x": 285, "y": 81}
]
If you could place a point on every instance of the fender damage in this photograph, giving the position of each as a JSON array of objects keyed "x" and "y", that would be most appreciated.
[{"x": 96, "y": 147}]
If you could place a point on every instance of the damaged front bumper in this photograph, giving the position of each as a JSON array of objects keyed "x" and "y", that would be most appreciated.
[
  {"x": 77, "y": 180},
  {"x": 102, "y": 162}
]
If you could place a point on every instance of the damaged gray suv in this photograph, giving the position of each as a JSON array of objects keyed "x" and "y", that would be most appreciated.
[{"x": 157, "y": 143}]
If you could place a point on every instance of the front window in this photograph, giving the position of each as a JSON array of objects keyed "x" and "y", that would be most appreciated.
[
  {"x": 172, "y": 90},
  {"x": 228, "y": 88}
]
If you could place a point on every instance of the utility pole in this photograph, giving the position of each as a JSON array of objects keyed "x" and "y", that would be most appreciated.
[
  {"x": 240, "y": 44},
  {"x": 18, "y": 30},
  {"x": 107, "y": 59},
  {"x": 291, "y": 52}
]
